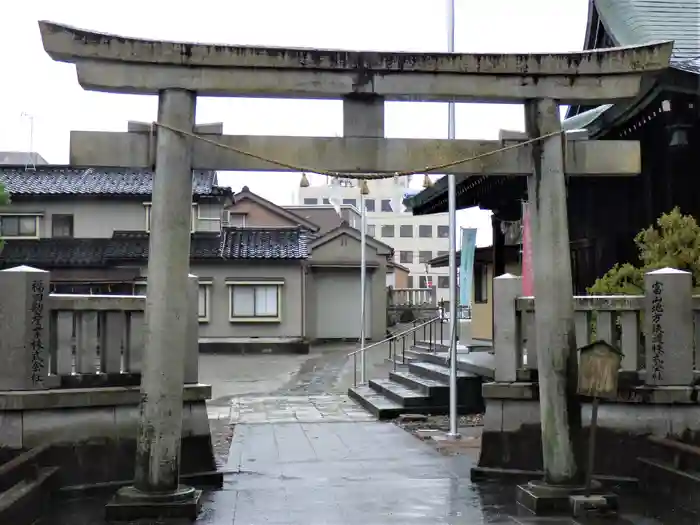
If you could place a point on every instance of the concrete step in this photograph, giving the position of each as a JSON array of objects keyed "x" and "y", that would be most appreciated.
[
  {"x": 479, "y": 363},
  {"x": 661, "y": 479},
  {"x": 429, "y": 387},
  {"x": 438, "y": 372},
  {"x": 469, "y": 396},
  {"x": 27, "y": 500},
  {"x": 375, "y": 403},
  {"x": 400, "y": 394}
]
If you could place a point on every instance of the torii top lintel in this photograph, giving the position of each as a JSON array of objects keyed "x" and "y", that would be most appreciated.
[{"x": 134, "y": 65}]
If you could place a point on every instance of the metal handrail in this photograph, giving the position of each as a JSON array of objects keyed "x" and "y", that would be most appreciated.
[{"x": 395, "y": 336}]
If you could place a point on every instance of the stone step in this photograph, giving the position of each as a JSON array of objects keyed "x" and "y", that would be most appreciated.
[
  {"x": 469, "y": 396},
  {"x": 375, "y": 403},
  {"x": 400, "y": 394},
  {"x": 27, "y": 500},
  {"x": 663, "y": 479},
  {"x": 430, "y": 387},
  {"x": 436, "y": 371}
]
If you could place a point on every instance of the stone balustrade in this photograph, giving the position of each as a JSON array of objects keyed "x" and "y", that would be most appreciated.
[
  {"x": 413, "y": 296},
  {"x": 658, "y": 333},
  {"x": 51, "y": 341}
]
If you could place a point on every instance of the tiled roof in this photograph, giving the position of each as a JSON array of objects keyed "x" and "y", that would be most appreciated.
[
  {"x": 232, "y": 244},
  {"x": 256, "y": 243},
  {"x": 633, "y": 22},
  {"x": 62, "y": 253},
  {"x": 66, "y": 180}
]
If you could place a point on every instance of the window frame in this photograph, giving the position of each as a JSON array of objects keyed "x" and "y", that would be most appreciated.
[
  {"x": 381, "y": 206},
  {"x": 63, "y": 216},
  {"x": 446, "y": 229},
  {"x": 193, "y": 220},
  {"x": 393, "y": 231},
  {"x": 205, "y": 285},
  {"x": 371, "y": 230},
  {"x": 408, "y": 259},
  {"x": 401, "y": 231},
  {"x": 420, "y": 235},
  {"x": 349, "y": 202},
  {"x": 443, "y": 279},
  {"x": 19, "y": 216},
  {"x": 481, "y": 284},
  {"x": 421, "y": 256},
  {"x": 231, "y": 286},
  {"x": 310, "y": 201},
  {"x": 370, "y": 203}
]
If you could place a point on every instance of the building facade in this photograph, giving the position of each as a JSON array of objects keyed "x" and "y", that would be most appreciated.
[
  {"x": 268, "y": 278},
  {"x": 415, "y": 240}
]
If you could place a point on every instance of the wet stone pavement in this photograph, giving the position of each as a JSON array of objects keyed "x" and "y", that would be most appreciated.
[{"x": 303, "y": 453}]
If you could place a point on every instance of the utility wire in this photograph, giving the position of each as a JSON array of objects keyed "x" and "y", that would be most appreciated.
[{"x": 359, "y": 176}]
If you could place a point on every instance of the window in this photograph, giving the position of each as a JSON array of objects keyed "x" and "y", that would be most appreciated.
[
  {"x": 369, "y": 205},
  {"x": 371, "y": 229},
  {"x": 193, "y": 217},
  {"x": 481, "y": 283},
  {"x": 61, "y": 226},
  {"x": 442, "y": 252},
  {"x": 443, "y": 232},
  {"x": 424, "y": 257},
  {"x": 388, "y": 230},
  {"x": 425, "y": 281},
  {"x": 406, "y": 231},
  {"x": 254, "y": 302},
  {"x": 326, "y": 201},
  {"x": 405, "y": 257},
  {"x": 236, "y": 219},
  {"x": 410, "y": 281},
  {"x": 425, "y": 230},
  {"x": 19, "y": 226},
  {"x": 386, "y": 205},
  {"x": 310, "y": 201},
  {"x": 443, "y": 281},
  {"x": 351, "y": 202},
  {"x": 204, "y": 301},
  {"x": 140, "y": 288}
]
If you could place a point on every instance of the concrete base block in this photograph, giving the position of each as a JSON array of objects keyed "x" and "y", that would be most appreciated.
[
  {"x": 594, "y": 504},
  {"x": 541, "y": 498},
  {"x": 131, "y": 504}
]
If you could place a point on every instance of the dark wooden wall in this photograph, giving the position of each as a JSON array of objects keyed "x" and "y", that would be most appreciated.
[{"x": 606, "y": 213}]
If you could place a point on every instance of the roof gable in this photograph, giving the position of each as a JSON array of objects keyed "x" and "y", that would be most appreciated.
[
  {"x": 345, "y": 229},
  {"x": 297, "y": 220},
  {"x": 69, "y": 181}
]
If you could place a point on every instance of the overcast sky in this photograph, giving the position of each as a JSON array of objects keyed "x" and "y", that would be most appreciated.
[{"x": 34, "y": 88}]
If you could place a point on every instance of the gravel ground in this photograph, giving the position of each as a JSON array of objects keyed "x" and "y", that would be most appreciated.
[{"x": 433, "y": 429}]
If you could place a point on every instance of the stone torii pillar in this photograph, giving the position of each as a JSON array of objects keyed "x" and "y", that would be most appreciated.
[{"x": 130, "y": 65}]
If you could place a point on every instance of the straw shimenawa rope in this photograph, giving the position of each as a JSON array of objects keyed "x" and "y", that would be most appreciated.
[{"x": 359, "y": 176}]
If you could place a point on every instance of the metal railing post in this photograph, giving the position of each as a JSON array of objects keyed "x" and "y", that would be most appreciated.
[
  {"x": 403, "y": 350},
  {"x": 354, "y": 369}
]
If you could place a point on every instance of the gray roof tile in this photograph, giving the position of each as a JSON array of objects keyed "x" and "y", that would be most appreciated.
[
  {"x": 255, "y": 243},
  {"x": 633, "y": 22},
  {"x": 65, "y": 180},
  {"x": 231, "y": 244}
]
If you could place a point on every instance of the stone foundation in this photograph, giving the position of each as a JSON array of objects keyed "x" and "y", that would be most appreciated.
[
  {"x": 512, "y": 439},
  {"x": 92, "y": 432},
  {"x": 253, "y": 346}
]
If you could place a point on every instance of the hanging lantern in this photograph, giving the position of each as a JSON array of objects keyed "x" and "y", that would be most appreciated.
[
  {"x": 304, "y": 183},
  {"x": 426, "y": 181},
  {"x": 364, "y": 189}
]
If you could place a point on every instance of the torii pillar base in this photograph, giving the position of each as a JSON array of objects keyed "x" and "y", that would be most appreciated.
[
  {"x": 541, "y": 498},
  {"x": 130, "y": 504}
]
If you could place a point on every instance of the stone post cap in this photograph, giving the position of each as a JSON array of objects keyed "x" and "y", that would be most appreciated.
[
  {"x": 24, "y": 268},
  {"x": 668, "y": 271},
  {"x": 507, "y": 276}
]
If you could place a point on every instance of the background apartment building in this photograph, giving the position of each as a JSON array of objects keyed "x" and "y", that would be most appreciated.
[{"x": 415, "y": 240}]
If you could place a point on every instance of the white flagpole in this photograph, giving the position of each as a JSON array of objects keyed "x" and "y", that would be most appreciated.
[
  {"x": 363, "y": 284},
  {"x": 452, "y": 212}
]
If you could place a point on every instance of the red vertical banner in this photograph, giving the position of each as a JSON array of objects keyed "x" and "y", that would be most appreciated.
[{"x": 528, "y": 281}]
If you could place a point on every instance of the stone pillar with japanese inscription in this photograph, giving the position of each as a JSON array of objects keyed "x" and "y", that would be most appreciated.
[
  {"x": 668, "y": 320},
  {"x": 24, "y": 328}
]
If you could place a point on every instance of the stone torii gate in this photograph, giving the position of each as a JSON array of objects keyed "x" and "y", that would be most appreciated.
[{"x": 179, "y": 72}]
